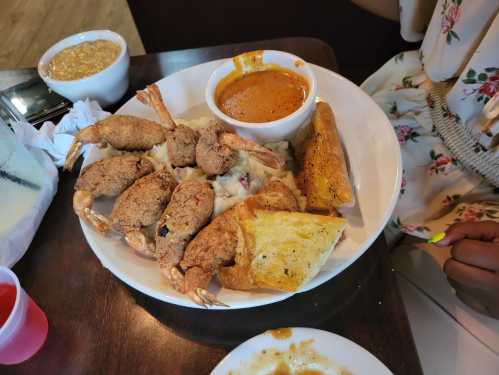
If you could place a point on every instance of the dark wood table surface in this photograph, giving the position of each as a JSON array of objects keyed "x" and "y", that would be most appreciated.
[{"x": 98, "y": 325}]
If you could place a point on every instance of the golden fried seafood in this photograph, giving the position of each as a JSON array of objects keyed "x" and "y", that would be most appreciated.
[
  {"x": 181, "y": 144},
  {"x": 216, "y": 245},
  {"x": 216, "y": 150},
  {"x": 151, "y": 96},
  {"x": 123, "y": 132},
  {"x": 212, "y": 156},
  {"x": 141, "y": 205},
  {"x": 180, "y": 140},
  {"x": 108, "y": 178},
  {"x": 189, "y": 210}
]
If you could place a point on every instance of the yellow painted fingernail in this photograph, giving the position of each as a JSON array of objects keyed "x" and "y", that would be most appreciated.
[{"x": 437, "y": 237}]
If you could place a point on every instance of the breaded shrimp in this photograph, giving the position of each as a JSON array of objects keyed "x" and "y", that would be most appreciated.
[
  {"x": 215, "y": 247},
  {"x": 141, "y": 205},
  {"x": 106, "y": 178},
  {"x": 188, "y": 211},
  {"x": 123, "y": 132},
  {"x": 180, "y": 140},
  {"x": 216, "y": 150}
]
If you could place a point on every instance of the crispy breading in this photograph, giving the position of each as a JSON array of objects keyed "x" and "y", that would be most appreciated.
[
  {"x": 109, "y": 177},
  {"x": 143, "y": 203},
  {"x": 326, "y": 180},
  {"x": 189, "y": 210},
  {"x": 214, "y": 245},
  {"x": 125, "y": 132},
  {"x": 274, "y": 195},
  {"x": 218, "y": 244},
  {"x": 181, "y": 143},
  {"x": 212, "y": 156},
  {"x": 190, "y": 207}
]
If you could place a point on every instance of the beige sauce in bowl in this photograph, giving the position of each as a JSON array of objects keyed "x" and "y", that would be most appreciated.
[
  {"x": 83, "y": 60},
  {"x": 262, "y": 96}
]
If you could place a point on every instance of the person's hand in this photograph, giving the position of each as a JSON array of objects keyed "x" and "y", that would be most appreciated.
[{"x": 473, "y": 269}]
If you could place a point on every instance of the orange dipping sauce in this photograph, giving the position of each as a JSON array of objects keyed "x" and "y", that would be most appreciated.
[{"x": 262, "y": 96}]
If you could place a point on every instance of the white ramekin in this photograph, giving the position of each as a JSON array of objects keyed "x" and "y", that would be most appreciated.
[
  {"x": 281, "y": 129},
  {"x": 107, "y": 86}
]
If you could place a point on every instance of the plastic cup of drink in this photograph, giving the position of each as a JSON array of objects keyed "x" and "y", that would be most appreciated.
[{"x": 26, "y": 327}]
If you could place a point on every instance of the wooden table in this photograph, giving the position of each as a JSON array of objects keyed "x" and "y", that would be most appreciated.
[{"x": 99, "y": 325}]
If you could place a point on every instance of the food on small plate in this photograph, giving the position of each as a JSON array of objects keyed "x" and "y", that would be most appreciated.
[
  {"x": 261, "y": 96},
  {"x": 300, "y": 351},
  {"x": 298, "y": 359},
  {"x": 83, "y": 60},
  {"x": 325, "y": 175}
]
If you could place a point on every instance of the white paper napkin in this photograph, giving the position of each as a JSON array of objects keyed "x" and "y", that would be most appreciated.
[{"x": 57, "y": 139}]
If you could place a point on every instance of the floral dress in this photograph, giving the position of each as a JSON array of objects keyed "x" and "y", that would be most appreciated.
[
  {"x": 435, "y": 100},
  {"x": 443, "y": 104}
]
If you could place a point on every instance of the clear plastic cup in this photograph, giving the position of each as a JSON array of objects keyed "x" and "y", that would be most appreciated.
[
  {"x": 26, "y": 327},
  {"x": 23, "y": 186}
]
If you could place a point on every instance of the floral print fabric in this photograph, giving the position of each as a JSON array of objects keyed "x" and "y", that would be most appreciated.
[
  {"x": 486, "y": 84},
  {"x": 436, "y": 189},
  {"x": 453, "y": 35},
  {"x": 451, "y": 12},
  {"x": 461, "y": 43},
  {"x": 460, "y": 46},
  {"x": 477, "y": 85}
]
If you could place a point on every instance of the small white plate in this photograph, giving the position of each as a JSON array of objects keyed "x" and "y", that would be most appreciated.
[
  {"x": 343, "y": 356},
  {"x": 374, "y": 159}
]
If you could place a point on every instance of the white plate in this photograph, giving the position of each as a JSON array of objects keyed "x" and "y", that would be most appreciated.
[
  {"x": 342, "y": 354},
  {"x": 375, "y": 165}
]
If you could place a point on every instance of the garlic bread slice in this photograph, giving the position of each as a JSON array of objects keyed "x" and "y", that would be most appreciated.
[{"x": 287, "y": 249}]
